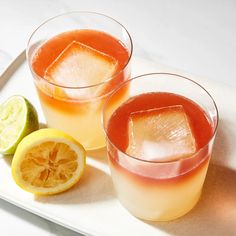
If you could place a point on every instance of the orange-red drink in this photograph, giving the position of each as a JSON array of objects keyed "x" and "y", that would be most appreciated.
[
  {"x": 159, "y": 145},
  {"x": 74, "y": 71}
]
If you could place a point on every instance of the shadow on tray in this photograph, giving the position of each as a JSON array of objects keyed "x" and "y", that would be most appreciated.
[
  {"x": 95, "y": 185},
  {"x": 215, "y": 213}
]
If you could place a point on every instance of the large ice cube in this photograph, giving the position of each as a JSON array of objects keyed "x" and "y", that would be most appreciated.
[
  {"x": 79, "y": 65},
  {"x": 162, "y": 134}
]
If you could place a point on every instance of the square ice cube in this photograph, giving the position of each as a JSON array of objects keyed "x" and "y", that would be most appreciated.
[
  {"x": 79, "y": 65},
  {"x": 161, "y": 134}
]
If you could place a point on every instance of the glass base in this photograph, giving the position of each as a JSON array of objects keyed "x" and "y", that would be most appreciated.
[{"x": 165, "y": 218}]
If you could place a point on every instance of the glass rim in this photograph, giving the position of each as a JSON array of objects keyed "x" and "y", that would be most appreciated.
[
  {"x": 161, "y": 162},
  {"x": 88, "y": 86}
]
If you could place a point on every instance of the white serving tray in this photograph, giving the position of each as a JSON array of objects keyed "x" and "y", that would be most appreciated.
[{"x": 91, "y": 207}]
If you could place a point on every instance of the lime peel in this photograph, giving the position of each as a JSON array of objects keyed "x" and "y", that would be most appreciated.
[{"x": 18, "y": 118}]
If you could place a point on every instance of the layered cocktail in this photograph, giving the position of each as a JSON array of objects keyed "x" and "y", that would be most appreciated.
[
  {"x": 77, "y": 59},
  {"x": 159, "y": 144}
]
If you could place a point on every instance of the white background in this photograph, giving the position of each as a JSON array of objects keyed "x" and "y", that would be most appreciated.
[{"x": 195, "y": 36}]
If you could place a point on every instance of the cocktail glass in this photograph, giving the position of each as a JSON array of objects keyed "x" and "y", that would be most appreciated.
[
  {"x": 77, "y": 110},
  {"x": 159, "y": 190}
]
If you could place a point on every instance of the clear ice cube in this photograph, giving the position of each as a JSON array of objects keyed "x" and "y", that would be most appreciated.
[
  {"x": 162, "y": 134},
  {"x": 79, "y": 65}
]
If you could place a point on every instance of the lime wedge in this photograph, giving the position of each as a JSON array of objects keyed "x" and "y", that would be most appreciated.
[{"x": 17, "y": 119}]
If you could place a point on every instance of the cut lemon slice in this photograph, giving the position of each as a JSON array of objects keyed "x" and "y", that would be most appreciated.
[{"x": 48, "y": 161}]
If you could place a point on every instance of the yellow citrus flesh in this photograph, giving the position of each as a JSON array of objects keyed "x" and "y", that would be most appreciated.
[{"x": 48, "y": 161}]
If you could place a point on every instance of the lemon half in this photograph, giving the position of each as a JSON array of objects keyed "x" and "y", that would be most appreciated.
[{"x": 48, "y": 161}]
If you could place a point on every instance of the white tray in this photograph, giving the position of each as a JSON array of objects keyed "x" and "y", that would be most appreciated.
[{"x": 92, "y": 208}]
